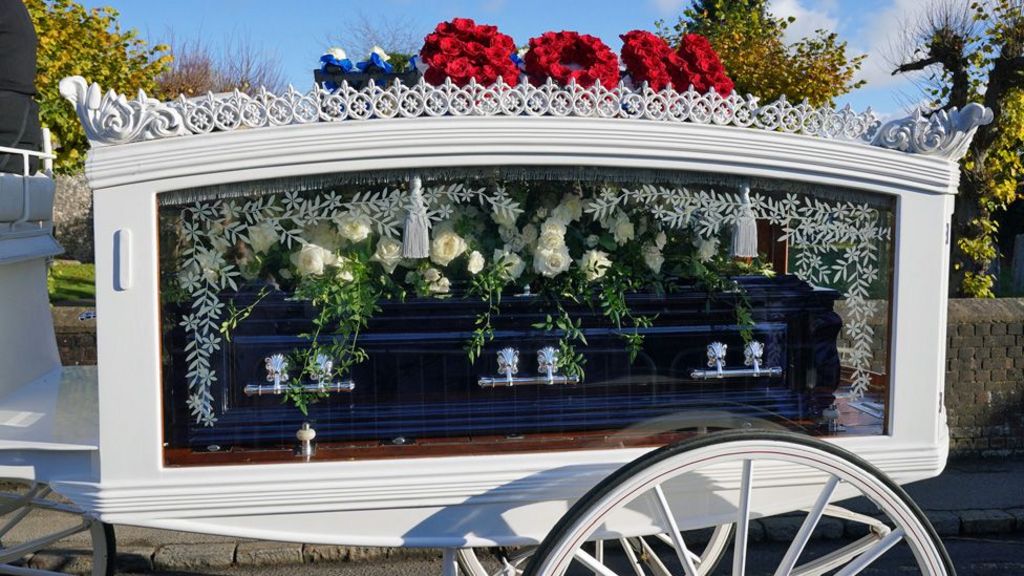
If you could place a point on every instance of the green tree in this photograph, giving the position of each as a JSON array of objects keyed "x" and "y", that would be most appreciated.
[
  {"x": 975, "y": 52},
  {"x": 74, "y": 40},
  {"x": 750, "y": 41}
]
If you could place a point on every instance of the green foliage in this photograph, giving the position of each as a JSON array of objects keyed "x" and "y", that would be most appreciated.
[
  {"x": 74, "y": 40},
  {"x": 236, "y": 315},
  {"x": 487, "y": 285},
  {"x": 345, "y": 297},
  {"x": 71, "y": 281},
  {"x": 979, "y": 51},
  {"x": 750, "y": 41}
]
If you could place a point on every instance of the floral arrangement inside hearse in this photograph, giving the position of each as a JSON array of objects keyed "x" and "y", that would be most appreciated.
[{"x": 488, "y": 309}]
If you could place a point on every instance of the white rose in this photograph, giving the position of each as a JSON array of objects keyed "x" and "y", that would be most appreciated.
[
  {"x": 594, "y": 264},
  {"x": 323, "y": 235},
  {"x": 512, "y": 265},
  {"x": 660, "y": 240},
  {"x": 311, "y": 259},
  {"x": 503, "y": 219},
  {"x": 569, "y": 210},
  {"x": 551, "y": 263},
  {"x": 262, "y": 237},
  {"x": 706, "y": 249},
  {"x": 476, "y": 262},
  {"x": 442, "y": 286},
  {"x": 446, "y": 246},
  {"x": 623, "y": 229},
  {"x": 552, "y": 235},
  {"x": 388, "y": 253},
  {"x": 431, "y": 274},
  {"x": 653, "y": 258},
  {"x": 354, "y": 226},
  {"x": 592, "y": 240}
]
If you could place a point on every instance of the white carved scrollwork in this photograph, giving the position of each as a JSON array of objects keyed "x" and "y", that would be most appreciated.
[
  {"x": 944, "y": 133},
  {"x": 112, "y": 118}
]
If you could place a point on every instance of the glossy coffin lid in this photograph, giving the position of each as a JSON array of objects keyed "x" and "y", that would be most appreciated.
[{"x": 418, "y": 389}]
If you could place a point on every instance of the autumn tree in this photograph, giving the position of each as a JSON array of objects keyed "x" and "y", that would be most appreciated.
[
  {"x": 751, "y": 42},
  {"x": 975, "y": 52},
  {"x": 74, "y": 40}
]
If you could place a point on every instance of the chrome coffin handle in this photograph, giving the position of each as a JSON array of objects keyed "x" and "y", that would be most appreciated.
[
  {"x": 277, "y": 372},
  {"x": 508, "y": 367},
  {"x": 753, "y": 353},
  {"x": 327, "y": 388}
]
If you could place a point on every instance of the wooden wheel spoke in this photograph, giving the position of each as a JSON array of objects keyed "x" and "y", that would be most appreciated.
[
  {"x": 16, "y": 552},
  {"x": 634, "y": 562},
  {"x": 682, "y": 552},
  {"x": 651, "y": 559},
  {"x": 739, "y": 557},
  {"x": 810, "y": 523},
  {"x": 590, "y": 562},
  {"x": 881, "y": 547}
]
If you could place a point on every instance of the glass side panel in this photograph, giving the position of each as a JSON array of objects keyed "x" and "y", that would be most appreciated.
[{"x": 517, "y": 309}]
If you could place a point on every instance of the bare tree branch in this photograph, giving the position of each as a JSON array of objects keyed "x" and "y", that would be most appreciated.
[
  {"x": 397, "y": 34},
  {"x": 197, "y": 68}
]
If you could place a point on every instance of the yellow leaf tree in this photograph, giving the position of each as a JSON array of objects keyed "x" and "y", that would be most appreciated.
[
  {"x": 74, "y": 40},
  {"x": 751, "y": 43},
  {"x": 975, "y": 52}
]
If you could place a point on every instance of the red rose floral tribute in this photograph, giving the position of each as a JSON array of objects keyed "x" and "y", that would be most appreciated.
[
  {"x": 462, "y": 49},
  {"x": 564, "y": 56},
  {"x": 648, "y": 58},
  {"x": 701, "y": 66}
]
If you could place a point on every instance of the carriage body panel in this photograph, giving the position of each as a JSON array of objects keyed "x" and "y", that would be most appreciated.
[{"x": 489, "y": 499}]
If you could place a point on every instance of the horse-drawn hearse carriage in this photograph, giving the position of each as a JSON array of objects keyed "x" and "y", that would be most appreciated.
[{"x": 581, "y": 323}]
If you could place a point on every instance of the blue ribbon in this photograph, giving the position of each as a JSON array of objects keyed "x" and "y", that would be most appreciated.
[
  {"x": 374, "y": 61},
  {"x": 329, "y": 60}
]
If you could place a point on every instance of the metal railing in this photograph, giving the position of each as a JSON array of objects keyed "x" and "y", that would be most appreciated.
[{"x": 46, "y": 155}]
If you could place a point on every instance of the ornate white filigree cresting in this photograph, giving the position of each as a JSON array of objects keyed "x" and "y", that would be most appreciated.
[
  {"x": 943, "y": 133},
  {"x": 116, "y": 120},
  {"x": 112, "y": 118}
]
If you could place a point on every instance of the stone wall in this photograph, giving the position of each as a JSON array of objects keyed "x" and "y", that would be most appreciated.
[
  {"x": 984, "y": 370},
  {"x": 985, "y": 376}
]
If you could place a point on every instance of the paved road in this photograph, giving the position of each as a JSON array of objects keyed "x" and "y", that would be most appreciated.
[{"x": 995, "y": 556}]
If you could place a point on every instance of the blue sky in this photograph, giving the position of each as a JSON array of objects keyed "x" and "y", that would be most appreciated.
[{"x": 297, "y": 31}]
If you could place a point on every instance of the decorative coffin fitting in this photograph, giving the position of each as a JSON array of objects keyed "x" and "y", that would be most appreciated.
[{"x": 418, "y": 392}]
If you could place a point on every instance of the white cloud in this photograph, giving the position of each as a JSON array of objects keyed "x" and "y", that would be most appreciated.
[
  {"x": 878, "y": 37},
  {"x": 821, "y": 17}
]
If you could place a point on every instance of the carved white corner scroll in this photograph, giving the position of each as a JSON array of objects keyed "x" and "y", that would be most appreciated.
[
  {"x": 944, "y": 133},
  {"x": 112, "y": 118}
]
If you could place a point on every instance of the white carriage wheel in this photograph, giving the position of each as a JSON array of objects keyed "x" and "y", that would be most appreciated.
[
  {"x": 739, "y": 452},
  {"x": 513, "y": 564},
  {"x": 62, "y": 522}
]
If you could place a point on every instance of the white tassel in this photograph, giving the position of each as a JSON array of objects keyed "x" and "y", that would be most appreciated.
[
  {"x": 416, "y": 238},
  {"x": 744, "y": 234}
]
